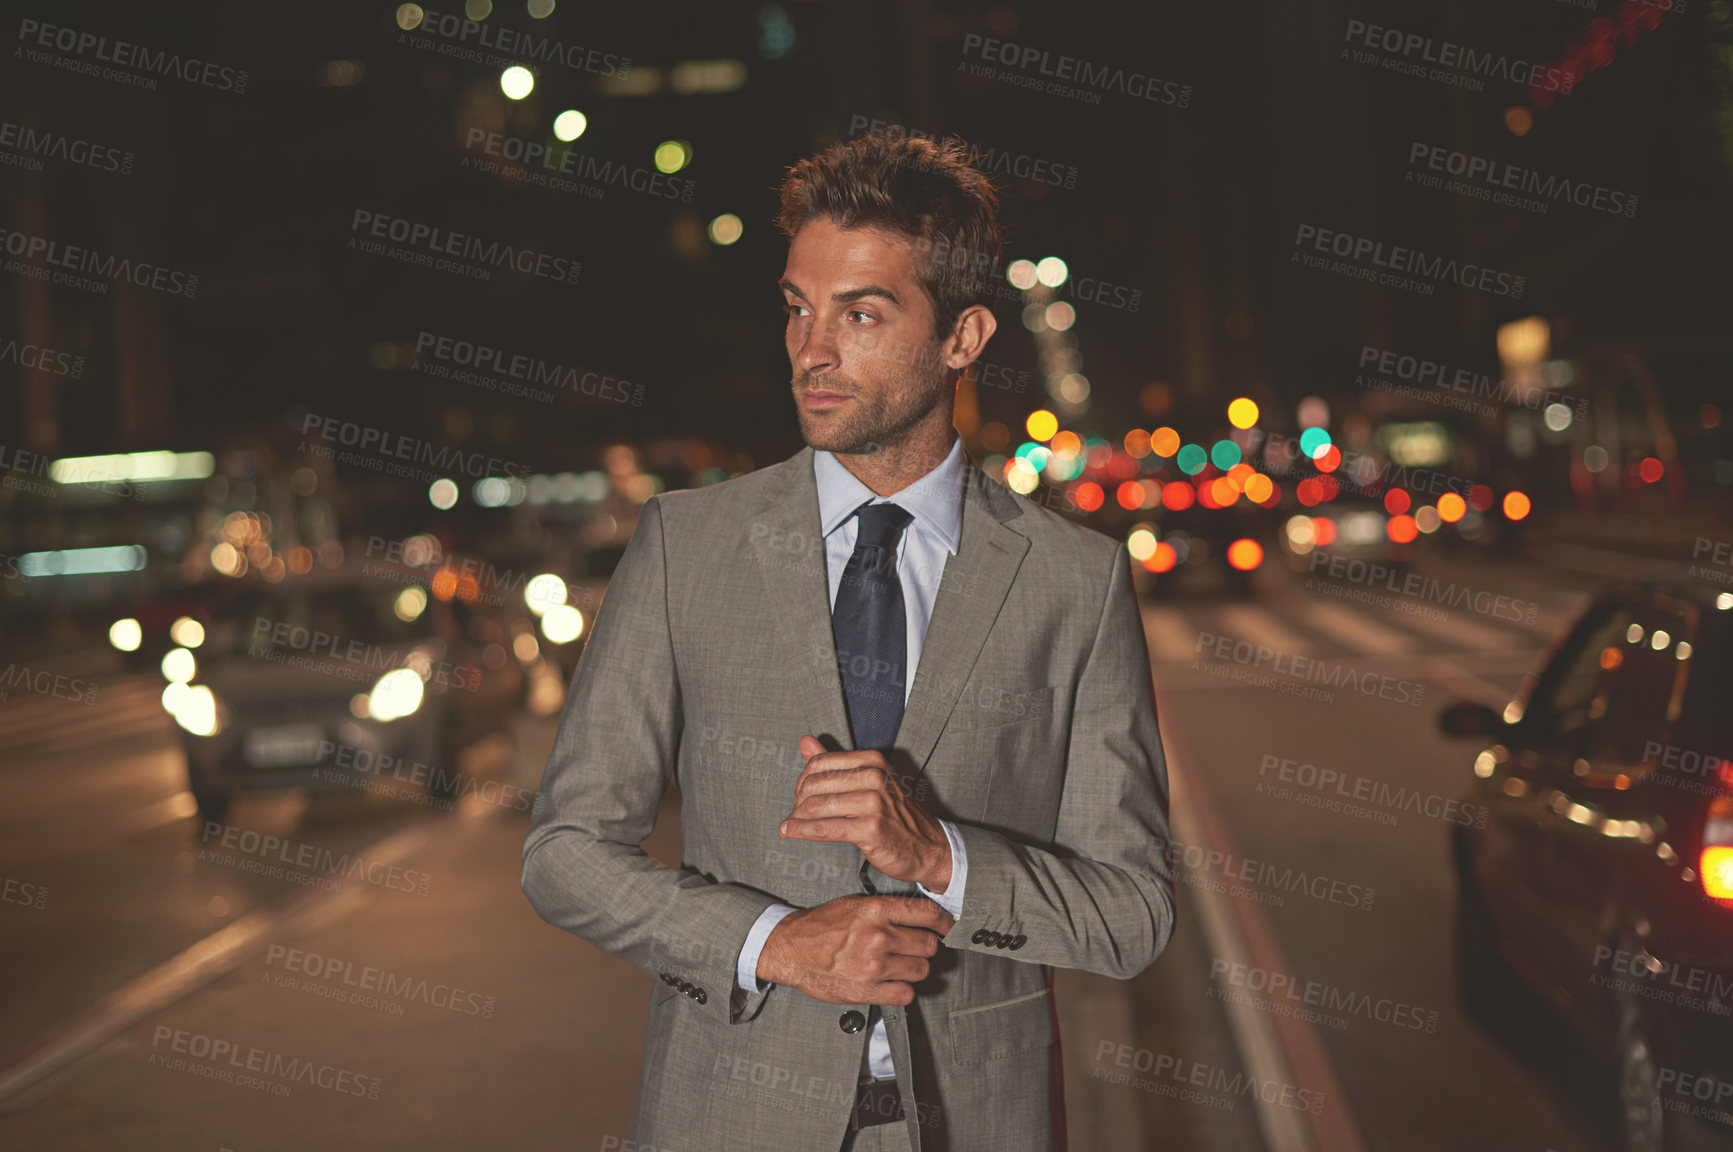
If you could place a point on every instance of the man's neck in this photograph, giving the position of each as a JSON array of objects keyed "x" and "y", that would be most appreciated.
[{"x": 893, "y": 468}]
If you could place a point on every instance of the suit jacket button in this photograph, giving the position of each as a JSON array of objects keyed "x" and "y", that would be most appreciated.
[
  {"x": 699, "y": 996},
  {"x": 979, "y": 936},
  {"x": 684, "y": 987},
  {"x": 1003, "y": 942},
  {"x": 851, "y": 1022},
  {"x": 1018, "y": 941},
  {"x": 992, "y": 940}
]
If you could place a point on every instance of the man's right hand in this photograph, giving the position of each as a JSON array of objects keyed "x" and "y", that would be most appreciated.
[{"x": 856, "y": 949}]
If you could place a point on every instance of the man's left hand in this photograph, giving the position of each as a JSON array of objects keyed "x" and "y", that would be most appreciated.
[{"x": 855, "y": 798}]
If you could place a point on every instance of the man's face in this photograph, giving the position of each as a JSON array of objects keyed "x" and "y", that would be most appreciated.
[{"x": 860, "y": 339}]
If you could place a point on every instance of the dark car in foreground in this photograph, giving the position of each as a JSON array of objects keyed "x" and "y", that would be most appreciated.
[
  {"x": 340, "y": 682},
  {"x": 1600, "y": 885}
]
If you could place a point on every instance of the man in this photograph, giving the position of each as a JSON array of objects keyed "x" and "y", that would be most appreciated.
[{"x": 911, "y": 720}]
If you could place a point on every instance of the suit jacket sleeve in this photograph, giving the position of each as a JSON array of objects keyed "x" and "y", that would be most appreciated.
[
  {"x": 1101, "y": 896},
  {"x": 583, "y": 868}
]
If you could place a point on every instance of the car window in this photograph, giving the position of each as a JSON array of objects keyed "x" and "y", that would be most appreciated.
[
  {"x": 1561, "y": 714},
  {"x": 1617, "y": 694}
]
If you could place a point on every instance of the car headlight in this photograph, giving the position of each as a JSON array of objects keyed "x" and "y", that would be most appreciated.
[
  {"x": 397, "y": 694},
  {"x": 195, "y": 707}
]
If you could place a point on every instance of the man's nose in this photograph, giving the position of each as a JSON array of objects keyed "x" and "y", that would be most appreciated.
[{"x": 819, "y": 351}]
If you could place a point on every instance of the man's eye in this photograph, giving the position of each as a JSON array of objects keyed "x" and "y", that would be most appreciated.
[
  {"x": 867, "y": 315},
  {"x": 792, "y": 310}
]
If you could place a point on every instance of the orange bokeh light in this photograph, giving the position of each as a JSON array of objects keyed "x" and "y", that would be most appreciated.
[
  {"x": 1402, "y": 529},
  {"x": 1245, "y": 554}
]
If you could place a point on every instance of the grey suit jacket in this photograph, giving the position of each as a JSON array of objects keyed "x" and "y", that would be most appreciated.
[{"x": 1031, "y": 724}]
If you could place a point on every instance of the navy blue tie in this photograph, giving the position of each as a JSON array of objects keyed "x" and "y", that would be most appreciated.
[
  {"x": 872, "y": 647},
  {"x": 871, "y": 629}
]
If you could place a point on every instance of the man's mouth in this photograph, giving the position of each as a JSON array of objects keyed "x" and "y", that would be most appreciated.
[{"x": 822, "y": 399}]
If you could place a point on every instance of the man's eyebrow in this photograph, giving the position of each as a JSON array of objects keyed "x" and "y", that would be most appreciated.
[{"x": 848, "y": 297}]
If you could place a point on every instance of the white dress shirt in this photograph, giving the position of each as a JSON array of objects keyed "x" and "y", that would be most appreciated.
[{"x": 936, "y": 503}]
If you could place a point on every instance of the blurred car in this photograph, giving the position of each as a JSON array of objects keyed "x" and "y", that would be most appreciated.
[
  {"x": 336, "y": 682},
  {"x": 1346, "y": 538},
  {"x": 1601, "y": 876}
]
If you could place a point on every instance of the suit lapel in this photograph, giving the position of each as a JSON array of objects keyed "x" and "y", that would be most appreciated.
[
  {"x": 789, "y": 549},
  {"x": 976, "y": 582},
  {"x": 787, "y": 542}
]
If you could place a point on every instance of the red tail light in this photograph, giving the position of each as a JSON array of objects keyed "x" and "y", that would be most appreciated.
[{"x": 1715, "y": 866}]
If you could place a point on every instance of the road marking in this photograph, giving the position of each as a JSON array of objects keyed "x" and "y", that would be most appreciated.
[
  {"x": 220, "y": 952},
  {"x": 1459, "y": 631},
  {"x": 1358, "y": 631},
  {"x": 1279, "y": 1049},
  {"x": 1248, "y": 622}
]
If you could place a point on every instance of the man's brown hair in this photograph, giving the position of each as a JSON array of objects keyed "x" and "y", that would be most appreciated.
[{"x": 920, "y": 188}]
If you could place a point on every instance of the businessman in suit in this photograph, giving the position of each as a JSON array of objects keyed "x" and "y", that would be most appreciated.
[{"x": 910, "y": 716}]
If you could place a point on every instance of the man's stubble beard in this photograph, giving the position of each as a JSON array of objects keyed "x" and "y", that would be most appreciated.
[{"x": 870, "y": 427}]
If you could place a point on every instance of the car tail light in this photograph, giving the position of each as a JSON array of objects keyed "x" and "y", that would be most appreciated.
[{"x": 1716, "y": 864}]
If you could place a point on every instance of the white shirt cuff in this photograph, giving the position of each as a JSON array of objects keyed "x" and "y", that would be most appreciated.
[
  {"x": 746, "y": 968},
  {"x": 951, "y": 900}
]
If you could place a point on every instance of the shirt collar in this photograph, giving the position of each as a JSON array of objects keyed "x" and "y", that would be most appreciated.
[{"x": 935, "y": 500}]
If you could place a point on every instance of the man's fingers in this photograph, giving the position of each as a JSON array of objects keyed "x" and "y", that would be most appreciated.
[
  {"x": 913, "y": 942},
  {"x": 837, "y": 804},
  {"x": 891, "y": 993},
  {"x": 840, "y": 778},
  {"x": 834, "y": 830},
  {"x": 916, "y": 912},
  {"x": 903, "y": 969}
]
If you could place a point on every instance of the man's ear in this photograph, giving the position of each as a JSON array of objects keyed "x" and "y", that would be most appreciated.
[{"x": 970, "y": 332}]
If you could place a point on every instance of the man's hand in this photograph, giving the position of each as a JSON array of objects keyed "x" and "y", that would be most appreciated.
[
  {"x": 855, "y": 949},
  {"x": 853, "y": 798}
]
